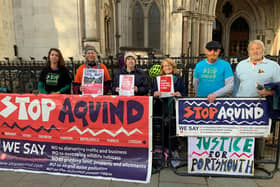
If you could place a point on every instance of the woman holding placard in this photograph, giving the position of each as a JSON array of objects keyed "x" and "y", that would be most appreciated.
[
  {"x": 166, "y": 88},
  {"x": 130, "y": 80},
  {"x": 167, "y": 85}
]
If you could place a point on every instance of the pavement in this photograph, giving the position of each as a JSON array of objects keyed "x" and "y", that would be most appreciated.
[{"x": 165, "y": 178}]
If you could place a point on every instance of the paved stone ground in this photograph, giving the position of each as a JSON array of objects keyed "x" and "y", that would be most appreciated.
[{"x": 165, "y": 178}]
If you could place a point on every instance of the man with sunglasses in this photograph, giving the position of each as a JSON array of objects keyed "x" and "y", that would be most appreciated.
[{"x": 213, "y": 77}]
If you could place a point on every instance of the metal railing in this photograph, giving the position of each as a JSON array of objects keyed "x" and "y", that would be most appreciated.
[
  {"x": 269, "y": 159},
  {"x": 21, "y": 76}
]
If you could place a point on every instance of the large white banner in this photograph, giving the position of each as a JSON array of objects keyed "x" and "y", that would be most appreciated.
[{"x": 221, "y": 155}]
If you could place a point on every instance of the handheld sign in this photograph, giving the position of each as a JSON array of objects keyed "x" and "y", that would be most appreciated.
[
  {"x": 165, "y": 85},
  {"x": 93, "y": 81},
  {"x": 126, "y": 85}
]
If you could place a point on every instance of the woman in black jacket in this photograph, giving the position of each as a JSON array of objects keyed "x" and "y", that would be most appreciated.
[
  {"x": 141, "y": 84},
  {"x": 54, "y": 77}
]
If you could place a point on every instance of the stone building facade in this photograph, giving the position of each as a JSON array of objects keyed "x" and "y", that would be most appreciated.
[
  {"x": 7, "y": 34},
  {"x": 30, "y": 27}
]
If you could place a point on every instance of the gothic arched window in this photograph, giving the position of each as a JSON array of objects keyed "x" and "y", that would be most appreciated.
[
  {"x": 154, "y": 26},
  {"x": 138, "y": 26}
]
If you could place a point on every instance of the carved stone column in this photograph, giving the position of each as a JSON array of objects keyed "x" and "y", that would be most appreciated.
[
  {"x": 202, "y": 35},
  {"x": 195, "y": 35},
  {"x": 210, "y": 27},
  {"x": 146, "y": 31},
  {"x": 187, "y": 33}
]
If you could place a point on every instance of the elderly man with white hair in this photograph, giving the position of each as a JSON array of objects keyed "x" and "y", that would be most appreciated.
[
  {"x": 250, "y": 77},
  {"x": 251, "y": 74}
]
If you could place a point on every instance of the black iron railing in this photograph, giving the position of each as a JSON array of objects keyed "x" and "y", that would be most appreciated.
[{"x": 21, "y": 76}]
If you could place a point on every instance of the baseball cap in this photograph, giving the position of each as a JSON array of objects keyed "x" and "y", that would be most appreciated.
[{"x": 213, "y": 45}]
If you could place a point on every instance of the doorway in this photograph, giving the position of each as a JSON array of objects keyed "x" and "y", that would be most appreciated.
[{"x": 239, "y": 37}]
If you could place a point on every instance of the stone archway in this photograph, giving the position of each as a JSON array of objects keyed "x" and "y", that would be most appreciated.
[{"x": 228, "y": 13}]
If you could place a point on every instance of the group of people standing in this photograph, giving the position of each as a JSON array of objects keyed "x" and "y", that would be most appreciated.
[
  {"x": 213, "y": 77},
  {"x": 55, "y": 79}
]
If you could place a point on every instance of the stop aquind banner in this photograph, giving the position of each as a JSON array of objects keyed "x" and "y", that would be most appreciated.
[
  {"x": 225, "y": 117},
  {"x": 107, "y": 137}
]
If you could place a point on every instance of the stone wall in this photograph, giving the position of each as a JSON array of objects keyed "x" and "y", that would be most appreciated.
[
  {"x": 7, "y": 34},
  {"x": 42, "y": 24},
  {"x": 34, "y": 26}
]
